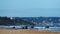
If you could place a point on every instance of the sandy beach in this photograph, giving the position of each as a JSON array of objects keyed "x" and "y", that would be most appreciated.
[{"x": 26, "y": 32}]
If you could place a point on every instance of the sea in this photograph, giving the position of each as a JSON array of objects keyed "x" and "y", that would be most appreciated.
[{"x": 52, "y": 29}]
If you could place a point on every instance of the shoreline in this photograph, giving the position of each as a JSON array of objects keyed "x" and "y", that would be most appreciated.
[{"x": 26, "y": 32}]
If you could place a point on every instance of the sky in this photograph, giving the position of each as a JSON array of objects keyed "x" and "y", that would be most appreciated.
[{"x": 30, "y": 8}]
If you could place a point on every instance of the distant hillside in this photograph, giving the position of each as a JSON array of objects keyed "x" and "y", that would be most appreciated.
[
  {"x": 8, "y": 21},
  {"x": 40, "y": 21}
]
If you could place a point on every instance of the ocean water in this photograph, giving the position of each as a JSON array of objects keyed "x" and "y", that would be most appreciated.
[{"x": 53, "y": 29}]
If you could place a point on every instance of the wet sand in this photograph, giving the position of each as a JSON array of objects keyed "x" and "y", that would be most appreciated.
[{"x": 26, "y": 32}]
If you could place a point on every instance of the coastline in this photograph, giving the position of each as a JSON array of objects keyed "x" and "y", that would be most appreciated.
[{"x": 26, "y": 32}]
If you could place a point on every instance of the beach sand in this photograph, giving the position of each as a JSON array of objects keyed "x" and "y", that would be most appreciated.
[{"x": 26, "y": 32}]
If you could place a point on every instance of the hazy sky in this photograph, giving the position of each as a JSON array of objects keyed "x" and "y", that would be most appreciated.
[{"x": 30, "y": 8}]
